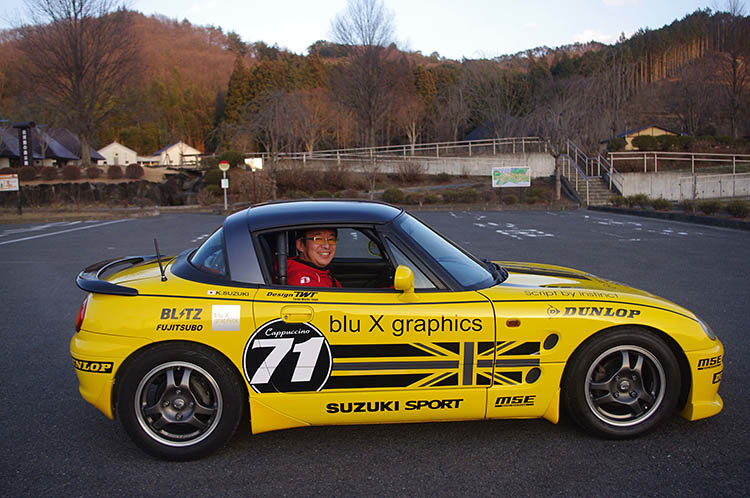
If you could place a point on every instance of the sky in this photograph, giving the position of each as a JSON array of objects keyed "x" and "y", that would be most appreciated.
[{"x": 455, "y": 29}]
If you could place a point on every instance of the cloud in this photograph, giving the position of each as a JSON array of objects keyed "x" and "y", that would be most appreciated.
[
  {"x": 209, "y": 6},
  {"x": 590, "y": 34},
  {"x": 620, "y": 3}
]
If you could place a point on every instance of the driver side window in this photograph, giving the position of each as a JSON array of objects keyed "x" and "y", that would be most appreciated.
[{"x": 420, "y": 279}]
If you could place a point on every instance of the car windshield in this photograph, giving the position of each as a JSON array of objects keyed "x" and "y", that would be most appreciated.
[{"x": 463, "y": 268}]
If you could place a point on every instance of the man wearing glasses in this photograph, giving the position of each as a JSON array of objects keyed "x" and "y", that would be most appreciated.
[{"x": 316, "y": 249}]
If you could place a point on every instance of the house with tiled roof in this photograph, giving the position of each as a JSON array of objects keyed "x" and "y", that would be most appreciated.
[{"x": 52, "y": 147}]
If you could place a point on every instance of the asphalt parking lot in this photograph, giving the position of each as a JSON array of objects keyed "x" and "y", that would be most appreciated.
[{"x": 56, "y": 444}]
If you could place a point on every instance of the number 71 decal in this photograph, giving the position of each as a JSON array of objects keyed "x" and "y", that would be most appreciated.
[{"x": 287, "y": 357}]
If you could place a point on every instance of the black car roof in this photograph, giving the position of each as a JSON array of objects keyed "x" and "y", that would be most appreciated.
[{"x": 313, "y": 212}]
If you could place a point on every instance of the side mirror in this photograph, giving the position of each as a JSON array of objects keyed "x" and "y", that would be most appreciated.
[{"x": 403, "y": 280}]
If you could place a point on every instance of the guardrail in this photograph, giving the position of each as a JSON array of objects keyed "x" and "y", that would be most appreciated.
[{"x": 699, "y": 158}]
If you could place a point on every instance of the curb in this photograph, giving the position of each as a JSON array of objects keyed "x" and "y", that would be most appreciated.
[{"x": 713, "y": 221}]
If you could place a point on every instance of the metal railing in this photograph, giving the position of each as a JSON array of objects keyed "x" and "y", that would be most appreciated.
[
  {"x": 698, "y": 159},
  {"x": 573, "y": 159},
  {"x": 434, "y": 150}
]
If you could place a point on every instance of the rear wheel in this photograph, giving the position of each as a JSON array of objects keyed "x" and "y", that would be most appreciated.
[
  {"x": 179, "y": 402},
  {"x": 622, "y": 384}
]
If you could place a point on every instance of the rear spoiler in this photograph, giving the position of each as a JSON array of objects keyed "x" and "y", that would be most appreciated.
[{"x": 90, "y": 279}]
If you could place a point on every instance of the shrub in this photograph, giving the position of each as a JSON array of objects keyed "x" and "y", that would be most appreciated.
[
  {"x": 213, "y": 177},
  {"x": 667, "y": 142},
  {"x": 488, "y": 195},
  {"x": 347, "y": 194},
  {"x": 687, "y": 205},
  {"x": 208, "y": 195},
  {"x": 93, "y": 172},
  {"x": 645, "y": 142},
  {"x": 724, "y": 140},
  {"x": 415, "y": 198},
  {"x": 738, "y": 209},
  {"x": 709, "y": 207},
  {"x": 114, "y": 172},
  {"x": 393, "y": 195},
  {"x": 616, "y": 144},
  {"x": 71, "y": 172},
  {"x": 443, "y": 177},
  {"x": 410, "y": 172},
  {"x": 27, "y": 173},
  {"x": 322, "y": 194},
  {"x": 450, "y": 196},
  {"x": 337, "y": 176},
  {"x": 431, "y": 199},
  {"x": 617, "y": 200},
  {"x": 685, "y": 142},
  {"x": 638, "y": 200},
  {"x": 49, "y": 173},
  {"x": 297, "y": 194},
  {"x": 467, "y": 195},
  {"x": 134, "y": 171},
  {"x": 662, "y": 204},
  {"x": 509, "y": 199},
  {"x": 531, "y": 199}
]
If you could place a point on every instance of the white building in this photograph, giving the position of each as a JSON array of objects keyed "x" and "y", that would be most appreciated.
[
  {"x": 119, "y": 155},
  {"x": 176, "y": 155}
]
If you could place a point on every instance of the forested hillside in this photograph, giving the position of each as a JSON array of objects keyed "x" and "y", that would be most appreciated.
[{"x": 218, "y": 92}]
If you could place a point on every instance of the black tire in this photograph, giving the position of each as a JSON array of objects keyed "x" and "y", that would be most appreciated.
[
  {"x": 621, "y": 384},
  {"x": 179, "y": 401}
]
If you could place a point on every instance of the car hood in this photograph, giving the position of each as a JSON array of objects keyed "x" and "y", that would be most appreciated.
[{"x": 547, "y": 282}]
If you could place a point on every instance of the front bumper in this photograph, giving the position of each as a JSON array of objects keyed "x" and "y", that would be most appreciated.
[
  {"x": 706, "y": 367},
  {"x": 96, "y": 358}
]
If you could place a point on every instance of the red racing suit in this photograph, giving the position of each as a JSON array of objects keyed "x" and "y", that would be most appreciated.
[{"x": 307, "y": 274}]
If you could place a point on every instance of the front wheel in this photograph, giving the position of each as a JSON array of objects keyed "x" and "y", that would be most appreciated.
[
  {"x": 179, "y": 402},
  {"x": 622, "y": 384}
]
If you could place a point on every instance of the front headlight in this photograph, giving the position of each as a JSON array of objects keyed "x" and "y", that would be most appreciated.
[{"x": 709, "y": 332}]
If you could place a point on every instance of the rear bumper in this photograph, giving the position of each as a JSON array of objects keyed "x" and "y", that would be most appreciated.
[{"x": 96, "y": 358}]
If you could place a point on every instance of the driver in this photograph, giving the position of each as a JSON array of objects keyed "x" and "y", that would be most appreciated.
[{"x": 316, "y": 248}]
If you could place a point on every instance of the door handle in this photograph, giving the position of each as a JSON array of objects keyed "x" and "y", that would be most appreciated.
[{"x": 297, "y": 314}]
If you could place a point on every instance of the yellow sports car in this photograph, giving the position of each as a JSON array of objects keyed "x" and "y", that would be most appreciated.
[{"x": 388, "y": 322}]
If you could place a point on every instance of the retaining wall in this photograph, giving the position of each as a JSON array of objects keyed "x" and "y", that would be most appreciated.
[
  {"x": 541, "y": 164},
  {"x": 676, "y": 186}
]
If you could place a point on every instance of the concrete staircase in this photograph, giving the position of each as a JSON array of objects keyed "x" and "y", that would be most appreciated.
[{"x": 588, "y": 177}]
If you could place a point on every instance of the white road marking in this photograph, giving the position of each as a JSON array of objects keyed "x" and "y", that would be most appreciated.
[
  {"x": 61, "y": 232},
  {"x": 526, "y": 232}
]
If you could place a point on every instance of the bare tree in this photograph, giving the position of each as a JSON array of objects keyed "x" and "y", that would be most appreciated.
[
  {"x": 690, "y": 97},
  {"x": 268, "y": 116},
  {"x": 732, "y": 61},
  {"x": 498, "y": 96},
  {"x": 310, "y": 119},
  {"x": 560, "y": 114},
  {"x": 78, "y": 54},
  {"x": 366, "y": 84}
]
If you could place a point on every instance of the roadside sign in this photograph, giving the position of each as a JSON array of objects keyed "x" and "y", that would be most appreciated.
[
  {"x": 224, "y": 165},
  {"x": 8, "y": 183},
  {"x": 225, "y": 183},
  {"x": 511, "y": 177},
  {"x": 255, "y": 163}
]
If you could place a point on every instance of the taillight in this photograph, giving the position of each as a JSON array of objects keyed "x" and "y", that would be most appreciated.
[{"x": 81, "y": 314}]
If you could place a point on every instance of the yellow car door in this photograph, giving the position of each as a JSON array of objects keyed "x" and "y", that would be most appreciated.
[{"x": 364, "y": 355}]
